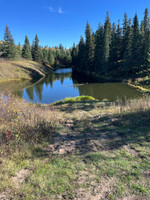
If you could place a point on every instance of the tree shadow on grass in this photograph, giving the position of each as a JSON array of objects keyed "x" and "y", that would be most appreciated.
[
  {"x": 33, "y": 73},
  {"x": 102, "y": 134},
  {"x": 70, "y": 107}
]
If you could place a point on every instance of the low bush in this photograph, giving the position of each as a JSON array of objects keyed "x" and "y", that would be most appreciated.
[{"x": 21, "y": 122}]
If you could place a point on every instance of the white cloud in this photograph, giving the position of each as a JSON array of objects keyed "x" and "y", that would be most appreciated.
[
  {"x": 60, "y": 11},
  {"x": 51, "y": 9}
]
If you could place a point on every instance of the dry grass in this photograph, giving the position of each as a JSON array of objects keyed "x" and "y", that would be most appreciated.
[
  {"x": 80, "y": 110},
  {"x": 134, "y": 105},
  {"x": 21, "y": 69},
  {"x": 21, "y": 122}
]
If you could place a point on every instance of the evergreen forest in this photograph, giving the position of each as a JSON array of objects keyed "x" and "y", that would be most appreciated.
[
  {"x": 44, "y": 55},
  {"x": 115, "y": 50}
]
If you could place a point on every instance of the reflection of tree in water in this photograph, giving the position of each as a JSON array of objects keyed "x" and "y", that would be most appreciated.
[
  {"x": 79, "y": 78},
  {"x": 30, "y": 92},
  {"x": 63, "y": 76},
  {"x": 88, "y": 90},
  {"x": 48, "y": 80},
  {"x": 39, "y": 89},
  {"x": 110, "y": 91},
  {"x": 15, "y": 87}
]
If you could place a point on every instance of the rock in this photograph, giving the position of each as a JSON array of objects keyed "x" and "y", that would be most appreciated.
[
  {"x": 2, "y": 196},
  {"x": 21, "y": 176},
  {"x": 62, "y": 151}
]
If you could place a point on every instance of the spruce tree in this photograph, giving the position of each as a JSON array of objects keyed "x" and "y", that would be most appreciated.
[
  {"x": 127, "y": 56},
  {"x": 135, "y": 46},
  {"x": 113, "y": 48},
  {"x": 40, "y": 55},
  {"x": 124, "y": 34},
  {"x": 74, "y": 54},
  {"x": 81, "y": 54},
  {"x": 98, "y": 49},
  {"x": 146, "y": 21},
  {"x": 45, "y": 56},
  {"x": 145, "y": 43},
  {"x": 50, "y": 57},
  {"x": 106, "y": 44},
  {"x": 9, "y": 45},
  {"x": 147, "y": 59},
  {"x": 18, "y": 51},
  {"x": 119, "y": 44},
  {"x": 89, "y": 48},
  {"x": 26, "y": 52},
  {"x": 36, "y": 49}
]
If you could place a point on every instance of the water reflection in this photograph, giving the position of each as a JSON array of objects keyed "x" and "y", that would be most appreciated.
[
  {"x": 63, "y": 83},
  {"x": 54, "y": 87}
]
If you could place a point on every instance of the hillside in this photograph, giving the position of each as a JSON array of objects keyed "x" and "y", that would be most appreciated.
[{"x": 21, "y": 69}]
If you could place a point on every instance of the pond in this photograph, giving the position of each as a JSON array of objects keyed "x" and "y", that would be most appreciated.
[{"x": 63, "y": 83}]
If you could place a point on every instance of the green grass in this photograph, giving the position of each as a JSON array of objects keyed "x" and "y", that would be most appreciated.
[
  {"x": 75, "y": 99},
  {"x": 141, "y": 84}
]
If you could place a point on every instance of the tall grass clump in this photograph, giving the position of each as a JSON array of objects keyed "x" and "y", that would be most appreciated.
[
  {"x": 21, "y": 122},
  {"x": 132, "y": 105}
]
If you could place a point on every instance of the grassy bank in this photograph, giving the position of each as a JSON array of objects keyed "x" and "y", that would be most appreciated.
[
  {"x": 142, "y": 84},
  {"x": 75, "y": 149},
  {"x": 21, "y": 70}
]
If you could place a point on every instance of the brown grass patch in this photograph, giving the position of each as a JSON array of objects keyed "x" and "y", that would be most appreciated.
[
  {"x": 22, "y": 122},
  {"x": 21, "y": 69}
]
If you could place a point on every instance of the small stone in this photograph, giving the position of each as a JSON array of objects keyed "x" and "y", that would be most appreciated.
[
  {"x": 61, "y": 151},
  {"x": 2, "y": 196}
]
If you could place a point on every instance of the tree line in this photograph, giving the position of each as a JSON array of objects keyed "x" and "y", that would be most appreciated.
[
  {"x": 114, "y": 50},
  {"x": 45, "y": 55}
]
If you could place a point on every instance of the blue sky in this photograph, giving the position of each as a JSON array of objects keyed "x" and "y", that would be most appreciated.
[{"x": 62, "y": 21}]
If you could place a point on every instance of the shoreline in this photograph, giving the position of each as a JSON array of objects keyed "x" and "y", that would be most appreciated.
[{"x": 22, "y": 70}]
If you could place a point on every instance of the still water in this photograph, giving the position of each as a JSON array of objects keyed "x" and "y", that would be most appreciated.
[{"x": 62, "y": 83}]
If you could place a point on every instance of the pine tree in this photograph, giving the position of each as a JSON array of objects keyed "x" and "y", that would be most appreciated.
[
  {"x": 81, "y": 54},
  {"x": 135, "y": 46},
  {"x": 127, "y": 56},
  {"x": 89, "y": 48},
  {"x": 9, "y": 45},
  {"x": 106, "y": 44},
  {"x": 147, "y": 57},
  {"x": 36, "y": 49},
  {"x": 113, "y": 49},
  {"x": 50, "y": 57},
  {"x": 40, "y": 55},
  {"x": 74, "y": 54},
  {"x": 119, "y": 44},
  {"x": 98, "y": 49},
  {"x": 26, "y": 52},
  {"x": 18, "y": 51},
  {"x": 145, "y": 43},
  {"x": 45, "y": 56},
  {"x": 67, "y": 58},
  {"x": 146, "y": 21},
  {"x": 124, "y": 34}
]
